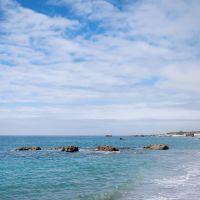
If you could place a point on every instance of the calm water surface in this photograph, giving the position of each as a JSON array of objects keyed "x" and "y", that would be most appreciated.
[{"x": 132, "y": 173}]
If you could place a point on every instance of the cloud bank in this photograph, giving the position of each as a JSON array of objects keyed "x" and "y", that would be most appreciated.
[{"x": 103, "y": 59}]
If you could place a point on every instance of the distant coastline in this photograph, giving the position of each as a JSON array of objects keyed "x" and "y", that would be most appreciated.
[
  {"x": 184, "y": 134},
  {"x": 168, "y": 134}
]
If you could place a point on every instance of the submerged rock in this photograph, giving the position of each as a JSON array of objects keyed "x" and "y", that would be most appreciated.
[
  {"x": 56, "y": 148},
  {"x": 28, "y": 148},
  {"x": 157, "y": 147},
  {"x": 106, "y": 148}
]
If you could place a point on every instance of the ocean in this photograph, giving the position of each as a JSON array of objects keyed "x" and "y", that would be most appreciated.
[{"x": 133, "y": 173}]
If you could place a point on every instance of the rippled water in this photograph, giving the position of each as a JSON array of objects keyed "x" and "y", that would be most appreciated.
[{"x": 132, "y": 173}]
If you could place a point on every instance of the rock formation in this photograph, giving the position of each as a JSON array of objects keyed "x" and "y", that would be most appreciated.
[
  {"x": 71, "y": 149},
  {"x": 67, "y": 149},
  {"x": 107, "y": 148},
  {"x": 28, "y": 148},
  {"x": 157, "y": 147}
]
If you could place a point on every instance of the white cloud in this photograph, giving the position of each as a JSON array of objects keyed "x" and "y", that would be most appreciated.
[
  {"x": 107, "y": 75},
  {"x": 182, "y": 76}
]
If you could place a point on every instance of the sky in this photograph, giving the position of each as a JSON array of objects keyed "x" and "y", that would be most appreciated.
[{"x": 92, "y": 67}]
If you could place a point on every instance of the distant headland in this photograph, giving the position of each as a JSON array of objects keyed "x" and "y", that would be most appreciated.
[{"x": 184, "y": 133}]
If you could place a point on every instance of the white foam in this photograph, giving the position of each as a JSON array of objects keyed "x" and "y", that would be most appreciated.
[
  {"x": 182, "y": 184},
  {"x": 161, "y": 198},
  {"x": 86, "y": 150},
  {"x": 172, "y": 182},
  {"x": 96, "y": 151}
]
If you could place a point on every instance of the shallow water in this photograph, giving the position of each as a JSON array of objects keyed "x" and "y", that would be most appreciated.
[{"x": 132, "y": 173}]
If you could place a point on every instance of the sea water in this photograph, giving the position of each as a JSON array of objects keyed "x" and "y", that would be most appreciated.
[{"x": 133, "y": 173}]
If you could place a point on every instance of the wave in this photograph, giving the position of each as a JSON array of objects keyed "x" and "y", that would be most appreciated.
[
  {"x": 182, "y": 184},
  {"x": 96, "y": 151}
]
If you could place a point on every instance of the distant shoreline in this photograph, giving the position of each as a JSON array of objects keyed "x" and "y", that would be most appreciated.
[{"x": 169, "y": 134}]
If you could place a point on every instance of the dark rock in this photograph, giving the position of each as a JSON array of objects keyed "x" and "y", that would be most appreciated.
[
  {"x": 157, "y": 147},
  {"x": 28, "y": 148},
  {"x": 121, "y": 138},
  {"x": 67, "y": 149},
  {"x": 71, "y": 149},
  {"x": 108, "y": 135},
  {"x": 107, "y": 148},
  {"x": 189, "y": 134}
]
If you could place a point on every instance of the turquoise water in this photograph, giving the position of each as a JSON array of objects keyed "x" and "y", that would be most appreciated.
[{"x": 132, "y": 173}]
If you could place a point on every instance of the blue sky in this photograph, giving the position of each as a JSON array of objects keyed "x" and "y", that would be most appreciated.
[{"x": 130, "y": 60}]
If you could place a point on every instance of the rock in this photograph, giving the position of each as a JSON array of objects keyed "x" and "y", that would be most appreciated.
[
  {"x": 189, "y": 134},
  {"x": 60, "y": 148},
  {"x": 67, "y": 149},
  {"x": 71, "y": 149},
  {"x": 107, "y": 148},
  {"x": 28, "y": 148},
  {"x": 121, "y": 138},
  {"x": 157, "y": 147},
  {"x": 108, "y": 135}
]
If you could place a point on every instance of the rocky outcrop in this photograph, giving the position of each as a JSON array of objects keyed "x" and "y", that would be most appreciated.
[
  {"x": 28, "y": 148},
  {"x": 67, "y": 149},
  {"x": 189, "y": 134},
  {"x": 71, "y": 149},
  {"x": 106, "y": 148},
  {"x": 157, "y": 147}
]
